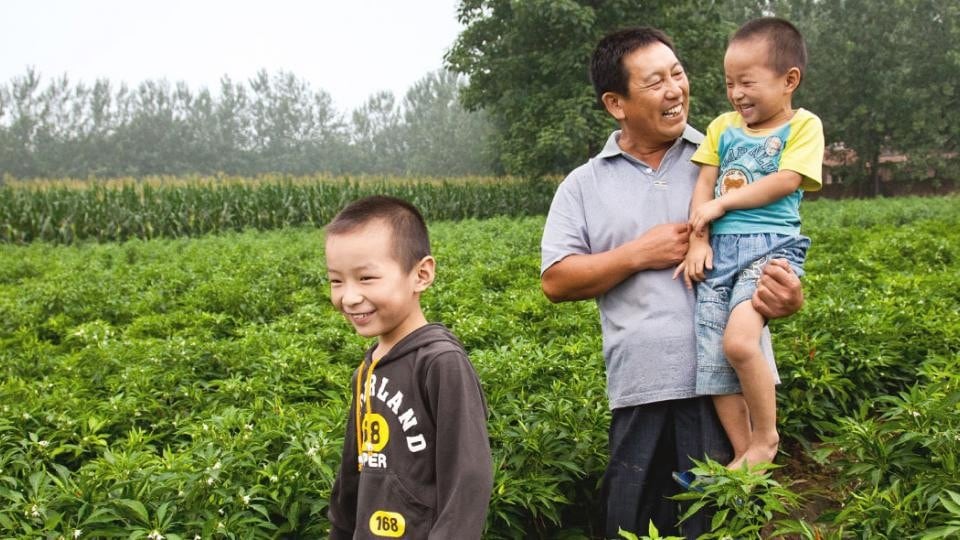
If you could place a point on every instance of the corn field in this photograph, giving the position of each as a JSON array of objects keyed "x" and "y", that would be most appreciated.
[{"x": 68, "y": 212}]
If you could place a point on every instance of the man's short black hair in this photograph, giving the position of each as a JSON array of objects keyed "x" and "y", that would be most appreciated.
[
  {"x": 606, "y": 67},
  {"x": 787, "y": 47},
  {"x": 411, "y": 242}
]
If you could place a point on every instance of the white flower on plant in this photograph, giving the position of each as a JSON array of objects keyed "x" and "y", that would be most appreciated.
[
  {"x": 217, "y": 465},
  {"x": 312, "y": 451},
  {"x": 246, "y": 500},
  {"x": 273, "y": 478},
  {"x": 210, "y": 481},
  {"x": 916, "y": 414},
  {"x": 221, "y": 526},
  {"x": 77, "y": 533},
  {"x": 248, "y": 427},
  {"x": 34, "y": 511},
  {"x": 44, "y": 444},
  {"x": 26, "y": 416},
  {"x": 220, "y": 511},
  {"x": 197, "y": 537},
  {"x": 155, "y": 535}
]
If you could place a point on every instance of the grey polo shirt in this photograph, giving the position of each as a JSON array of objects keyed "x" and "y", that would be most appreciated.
[{"x": 649, "y": 345}]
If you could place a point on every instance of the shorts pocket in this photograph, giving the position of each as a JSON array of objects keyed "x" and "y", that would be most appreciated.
[{"x": 711, "y": 309}]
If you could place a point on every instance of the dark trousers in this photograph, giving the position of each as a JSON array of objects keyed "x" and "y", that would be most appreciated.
[{"x": 647, "y": 443}]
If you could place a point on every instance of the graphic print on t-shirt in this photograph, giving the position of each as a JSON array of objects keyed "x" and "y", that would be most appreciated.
[{"x": 746, "y": 159}]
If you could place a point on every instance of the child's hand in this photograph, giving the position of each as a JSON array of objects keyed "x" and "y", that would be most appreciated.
[
  {"x": 681, "y": 271},
  {"x": 693, "y": 268},
  {"x": 704, "y": 214}
]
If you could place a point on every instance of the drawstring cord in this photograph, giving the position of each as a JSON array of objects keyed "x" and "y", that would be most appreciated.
[{"x": 358, "y": 418}]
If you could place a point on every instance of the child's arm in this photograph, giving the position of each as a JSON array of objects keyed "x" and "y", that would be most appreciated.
[
  {"x": 699, "y": 255},
  {"x": 343, "y": 497},
  {"x": 464, "y": 468},
  {"x": 703, "y": 191},
  {"x": 760, "y": 193}
]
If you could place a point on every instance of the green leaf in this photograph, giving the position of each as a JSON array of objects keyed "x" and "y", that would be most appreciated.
[{"x": 139, "y": 510}]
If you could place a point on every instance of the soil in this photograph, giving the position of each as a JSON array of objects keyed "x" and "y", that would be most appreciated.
[{"x": 816, "y": 483}]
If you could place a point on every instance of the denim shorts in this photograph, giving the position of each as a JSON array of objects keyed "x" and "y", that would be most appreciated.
[{"x": 738, "y": 262}]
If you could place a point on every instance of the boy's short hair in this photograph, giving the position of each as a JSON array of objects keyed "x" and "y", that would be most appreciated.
[
  {"x": 787, "y": 47},
  {"x": 411, "y": 242},
  {"x": 606, "y": 67}
]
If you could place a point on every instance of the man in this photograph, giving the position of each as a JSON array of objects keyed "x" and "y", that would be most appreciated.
[{"x": 615, "y": 232}]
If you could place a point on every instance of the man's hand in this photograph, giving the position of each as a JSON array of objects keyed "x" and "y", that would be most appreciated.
[
  {"x": 778, "y": 293},
  {"x": 578, "y": 277},
  {"x": 705, "y": 214},
  {"x": 662, "y": 246}
]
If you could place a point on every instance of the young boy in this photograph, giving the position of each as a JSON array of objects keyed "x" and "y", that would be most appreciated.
[
  {"x": 416, "y": 457},
  {"x": 755, "y": 163}
]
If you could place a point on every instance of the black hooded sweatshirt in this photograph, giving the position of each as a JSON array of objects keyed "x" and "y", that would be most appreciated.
[{"x": 424, "y": 469}]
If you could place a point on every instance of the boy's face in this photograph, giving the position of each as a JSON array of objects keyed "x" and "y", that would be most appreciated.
[
  {"x": 756, "y": 91},
  {"x": 371, "y": 288}
]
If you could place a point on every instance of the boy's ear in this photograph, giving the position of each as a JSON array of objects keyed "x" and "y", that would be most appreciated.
[
  {"x": 612, "y": 102},
  {"x": 793, "y": 79},
  {"x": 426, "y": 271}
]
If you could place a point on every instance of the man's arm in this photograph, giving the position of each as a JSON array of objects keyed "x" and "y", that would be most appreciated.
[
  {"x": 779, "y": 293},
  {"x": 579, "y": 277}
]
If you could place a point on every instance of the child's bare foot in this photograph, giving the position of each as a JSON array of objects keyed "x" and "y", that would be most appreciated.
[{"x": 758, "y": 452}]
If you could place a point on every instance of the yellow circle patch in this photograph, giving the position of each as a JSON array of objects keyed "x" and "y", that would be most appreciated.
[
  {"x": 376, "y": 433},
  {"x": 388, "y": 524}
]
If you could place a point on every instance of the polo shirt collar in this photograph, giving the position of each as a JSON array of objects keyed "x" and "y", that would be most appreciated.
[{"x": 611, "y": 148}]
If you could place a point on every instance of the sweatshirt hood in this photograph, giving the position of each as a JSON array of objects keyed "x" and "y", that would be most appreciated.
[{"x": 429, "y": 333}]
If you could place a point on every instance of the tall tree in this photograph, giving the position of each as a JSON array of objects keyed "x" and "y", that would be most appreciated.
[
  {"x": 290, "y": 120},
  {"x": 377, "y": 134},
  {"x": 527, "y": 63},
  {"x": 885, "y": 76},
  {"x": 23, "y": 107},
  {"x": 440, "y": 136}
]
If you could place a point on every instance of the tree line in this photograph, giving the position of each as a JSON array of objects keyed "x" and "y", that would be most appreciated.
[
  {"x": 273, "y": 123},
  {"x": 516, "y": 98},
  {"x": 883, "y": 76}
]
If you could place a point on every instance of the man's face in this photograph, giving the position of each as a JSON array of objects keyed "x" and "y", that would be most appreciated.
[{"x": 656, "y": 108}]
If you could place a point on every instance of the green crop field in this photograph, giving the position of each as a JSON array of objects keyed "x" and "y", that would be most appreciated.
[{"x": 198, "y": 386}]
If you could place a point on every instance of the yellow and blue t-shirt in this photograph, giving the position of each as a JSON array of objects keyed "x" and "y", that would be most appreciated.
[{"x": 746, "y": 155}]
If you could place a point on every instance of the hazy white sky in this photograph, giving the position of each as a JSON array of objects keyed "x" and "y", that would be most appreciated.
[{"x": 349, "y": 48}]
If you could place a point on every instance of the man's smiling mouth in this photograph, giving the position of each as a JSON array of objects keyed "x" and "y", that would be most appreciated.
[{"x": 673, "y": 112}]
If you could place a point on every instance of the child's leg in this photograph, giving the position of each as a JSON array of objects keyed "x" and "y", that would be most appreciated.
[
  {"x": 741, "y": 345},
  {"x": 735, "y": 419}
]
